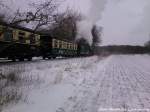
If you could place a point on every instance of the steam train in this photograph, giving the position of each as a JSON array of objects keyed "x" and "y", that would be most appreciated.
[{"x": 19, "y": 43}]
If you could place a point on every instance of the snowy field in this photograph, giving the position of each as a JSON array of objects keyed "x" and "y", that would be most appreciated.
[{"x": 118, "y": 83}]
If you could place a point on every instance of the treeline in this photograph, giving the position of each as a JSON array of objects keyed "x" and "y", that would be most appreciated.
[{"x": 122, "y": 49}]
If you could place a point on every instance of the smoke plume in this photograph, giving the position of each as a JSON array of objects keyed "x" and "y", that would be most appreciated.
[{"x": 92, "y": 17}]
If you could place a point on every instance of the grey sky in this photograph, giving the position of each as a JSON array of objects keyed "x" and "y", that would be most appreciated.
[{"x": 124, "y": 21}]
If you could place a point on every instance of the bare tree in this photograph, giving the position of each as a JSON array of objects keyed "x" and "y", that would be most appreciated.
[
  {"x": 2, "y": 14},
  {"x": 82, "y": 41},
  {"x": 147, "y": 44},
  {"x": 96, "y": 33},
  {"x": 2, "y": 5},
  {"x": 65, "y": 25},
  {"x": 41, "y": 14}
]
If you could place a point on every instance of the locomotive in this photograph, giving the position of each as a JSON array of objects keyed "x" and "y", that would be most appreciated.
[{"x": 23, "y": 43}]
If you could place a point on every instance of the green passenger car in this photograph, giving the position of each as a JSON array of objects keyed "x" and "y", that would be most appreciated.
[{"x": 52, "y": 47}]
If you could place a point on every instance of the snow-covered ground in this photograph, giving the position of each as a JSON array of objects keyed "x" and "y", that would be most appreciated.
[{"x": 93, "y": 84}]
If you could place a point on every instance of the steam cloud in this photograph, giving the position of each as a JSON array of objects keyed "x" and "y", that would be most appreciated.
[{"x": 94, "y": 15}]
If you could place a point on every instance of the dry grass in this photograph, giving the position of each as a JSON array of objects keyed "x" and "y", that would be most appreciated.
[
  {"x": 9, "y": 92},
  {"x": 13, "y": 79}
]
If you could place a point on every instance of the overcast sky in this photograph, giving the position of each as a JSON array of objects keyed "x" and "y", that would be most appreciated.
[{"x": 124, "y": 21}]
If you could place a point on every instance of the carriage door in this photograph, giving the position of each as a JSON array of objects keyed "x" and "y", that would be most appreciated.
[
  {"x": 21, "y": 37},
  {"x": 8, "y": 35}
]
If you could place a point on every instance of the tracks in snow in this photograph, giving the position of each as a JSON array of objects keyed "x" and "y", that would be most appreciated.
[{"x": 120, "y": 81}]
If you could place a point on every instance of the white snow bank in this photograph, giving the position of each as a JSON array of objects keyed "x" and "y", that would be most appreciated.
[
  {"x": 47, "y": 99},
  {"x": 53, "y": 83}
]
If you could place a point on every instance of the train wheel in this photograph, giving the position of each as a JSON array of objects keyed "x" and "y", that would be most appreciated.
[
  {"x": 21, "y": 59},
  {"x": 44, "y": 57},
  {"x": 13, "y": 59},
  {"x": 49, "y": 57},
  {"x": 54, "y": 57},
  {"x": 30, "y": 59}
]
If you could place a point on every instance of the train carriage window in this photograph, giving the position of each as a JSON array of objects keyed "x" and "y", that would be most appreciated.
[
  {"x": 57, "y": 43},
  {"x": 36, "y": 37},
  {"x": 60, "y": 44},
  {"x": 74, "y": 47},
  {"x": 71, "y": 46},
  {"x": 64, "y": 45},
  {"x": 68, "y": 45},
  {"x": 54, "y": 43},
  {"x": 8, "y": 35},
  {"x": 56, "y": 46}
]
